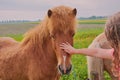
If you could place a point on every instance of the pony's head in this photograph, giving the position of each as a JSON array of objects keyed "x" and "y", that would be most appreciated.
[{"x": 61, "y": 27}]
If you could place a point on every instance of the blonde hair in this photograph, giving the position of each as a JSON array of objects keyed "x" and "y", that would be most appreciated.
[{"x": 112, "y": 32}]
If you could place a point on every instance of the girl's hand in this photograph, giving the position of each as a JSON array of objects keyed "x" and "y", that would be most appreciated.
[{"x": 67, "y": 48}]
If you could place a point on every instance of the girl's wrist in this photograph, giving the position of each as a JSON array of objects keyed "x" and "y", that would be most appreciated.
[
  {"x": 76, "y": 51},
  {"x": 73, "y": 51}
]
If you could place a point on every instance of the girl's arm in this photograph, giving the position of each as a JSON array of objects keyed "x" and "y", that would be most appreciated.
[{"x": 95, "y": 52}]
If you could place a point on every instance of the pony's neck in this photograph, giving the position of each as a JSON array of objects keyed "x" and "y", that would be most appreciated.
[
  {"x": 37, "y": 41},
  {"x": 36, "y": 36}
]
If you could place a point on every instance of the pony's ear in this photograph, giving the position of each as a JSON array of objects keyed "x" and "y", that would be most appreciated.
[
  {"x": 49, "y": 13},
  {"x": 74, "y": 11}
]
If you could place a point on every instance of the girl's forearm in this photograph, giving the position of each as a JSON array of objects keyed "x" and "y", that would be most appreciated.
[
  {"x": 86, "y": 51},
  {"x": 95, "y": 52}
]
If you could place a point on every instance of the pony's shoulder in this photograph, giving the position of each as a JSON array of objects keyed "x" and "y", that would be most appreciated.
[
  {"x": 100, "y": 41},
  {"x": 100, "y": 37},
  {"x": 7, "y": 41}
]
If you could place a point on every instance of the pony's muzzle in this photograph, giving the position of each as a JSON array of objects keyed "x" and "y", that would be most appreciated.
[{"x": 65, "y": 70}]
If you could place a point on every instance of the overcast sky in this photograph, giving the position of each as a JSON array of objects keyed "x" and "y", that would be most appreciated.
[{"x": 36, "y": 9}]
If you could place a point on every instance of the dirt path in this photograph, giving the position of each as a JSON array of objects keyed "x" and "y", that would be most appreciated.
[{"x": 17, "y": 28}]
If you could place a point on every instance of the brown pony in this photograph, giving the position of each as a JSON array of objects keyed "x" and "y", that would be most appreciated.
[{"x": 38, "y": 56}]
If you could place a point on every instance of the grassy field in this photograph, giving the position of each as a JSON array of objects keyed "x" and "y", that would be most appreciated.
[
  {"x": 84, "y": 36},
  {"x": 96, "y": 21}
]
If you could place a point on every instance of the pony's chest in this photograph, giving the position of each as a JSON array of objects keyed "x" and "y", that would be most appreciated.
[
  {"x": 43, "y": 71},
  {"x": 44, "y": 75}
]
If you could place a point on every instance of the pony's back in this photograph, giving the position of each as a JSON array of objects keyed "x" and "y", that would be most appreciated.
[
  {"x": 9, "y": 52},
  {"x": 6, "y": 42}
]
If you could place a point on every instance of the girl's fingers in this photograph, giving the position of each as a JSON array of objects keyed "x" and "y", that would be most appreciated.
[
  {"x": 63, "y": 45},
  {"x": 67, "y": 43},
  {"x": 66, "y": 46}
]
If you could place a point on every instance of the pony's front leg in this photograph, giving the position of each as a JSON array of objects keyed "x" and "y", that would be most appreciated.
[{"x": 95, "y": 68}]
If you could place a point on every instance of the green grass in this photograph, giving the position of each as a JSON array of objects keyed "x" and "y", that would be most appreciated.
[
  {"x": 95, "y": 21},
  {"x": 17, "y": 37},
  {"x": 82, "y": 39}
]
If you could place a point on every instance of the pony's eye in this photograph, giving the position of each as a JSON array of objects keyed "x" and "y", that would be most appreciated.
[
  {"x": 73, "y": 34},
  {"x": 52, "y": 36}
]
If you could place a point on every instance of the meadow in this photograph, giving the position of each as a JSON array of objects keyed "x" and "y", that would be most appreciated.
[
  {"x": 84, "y": 36},
  {"x": 92, "y": 21}
]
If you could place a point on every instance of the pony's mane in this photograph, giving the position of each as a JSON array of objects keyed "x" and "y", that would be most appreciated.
[
  {"x": 37, "y": 34},
  {"x": 62, "y": 20}
]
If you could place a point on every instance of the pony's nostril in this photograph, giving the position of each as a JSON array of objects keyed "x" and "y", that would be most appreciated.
[
  {"x": 66, "y": 71},
  {"x": 61, "y": 69},
  {"x": 69, "y": 69}
]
